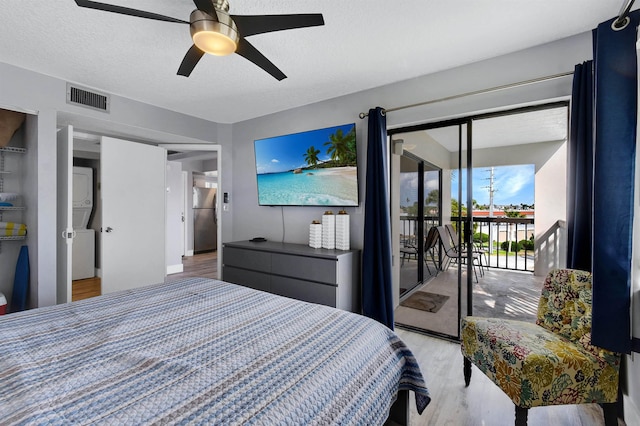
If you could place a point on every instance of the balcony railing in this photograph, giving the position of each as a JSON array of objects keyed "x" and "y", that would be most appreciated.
[{"x": 500, "y": 238}]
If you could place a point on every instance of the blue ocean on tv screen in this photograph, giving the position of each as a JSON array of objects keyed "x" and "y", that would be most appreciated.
[
  {"x": 311, "y": 187},
  {"x": 313, "y": 168}
]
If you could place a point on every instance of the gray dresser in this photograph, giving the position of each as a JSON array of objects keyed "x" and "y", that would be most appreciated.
[{"x": 327, "y": 277}]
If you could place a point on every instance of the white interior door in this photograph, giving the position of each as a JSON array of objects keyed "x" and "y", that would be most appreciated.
[
  {"x": 133, "y": 214},
  {"x": 185, "y": 209},
  {"x": 64, "y": 214},
  {"x": 175, "y": 217}
]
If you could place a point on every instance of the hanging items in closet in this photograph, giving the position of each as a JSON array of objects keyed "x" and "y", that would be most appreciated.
[
  {"x": 12, "y": 229},
  {"x": 10, "y": 121}
]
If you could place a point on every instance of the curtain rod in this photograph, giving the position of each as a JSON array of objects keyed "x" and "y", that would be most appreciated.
[
  {"x": 623, "y": 19},
  {"x": 477, "y": 92}
]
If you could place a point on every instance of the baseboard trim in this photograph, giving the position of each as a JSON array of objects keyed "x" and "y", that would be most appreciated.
[
  {"x": 175, "y": 269},
  {"x": 98, "y": 272},
  {"x": 631, "y": 413},
  {"x": 189, "y": 253}
]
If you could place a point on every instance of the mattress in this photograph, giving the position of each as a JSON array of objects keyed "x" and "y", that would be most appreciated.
[{"x": 200, "y": 351}]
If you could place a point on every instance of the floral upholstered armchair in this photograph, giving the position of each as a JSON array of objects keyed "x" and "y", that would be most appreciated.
[{"x": 551, "y": 362}]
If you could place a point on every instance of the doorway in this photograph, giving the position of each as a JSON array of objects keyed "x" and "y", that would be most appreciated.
[
  {"x": 65, "y": 144},
  {"x": 437, "y": 150},
  {"x": 199, "y": 163},
  {"x": 530, "y": 144},
  {"x": 130, "y": 182}
]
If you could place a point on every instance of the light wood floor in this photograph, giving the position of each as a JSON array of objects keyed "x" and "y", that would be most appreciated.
[
  {"x": 200, "y": 265},
  {"x": 86, "y": 288},
  {"x": 482, "y": 403}
]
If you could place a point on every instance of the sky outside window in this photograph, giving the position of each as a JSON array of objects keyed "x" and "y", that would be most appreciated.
[{"x": 513, "y": 185}]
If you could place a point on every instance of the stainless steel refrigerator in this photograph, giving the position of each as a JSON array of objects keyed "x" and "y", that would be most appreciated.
[{"x": 205, "y": 224}]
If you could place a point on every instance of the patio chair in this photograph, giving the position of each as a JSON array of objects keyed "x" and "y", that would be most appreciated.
[
  {"x": 408, "y": 253},
  {"x": 430, "y": 244},
  {"x": 551, "y": 362},
  {"x": 482, "y": 253},
  {"x": 452, "y": 254},
  {"x": 408, "y": 250}
]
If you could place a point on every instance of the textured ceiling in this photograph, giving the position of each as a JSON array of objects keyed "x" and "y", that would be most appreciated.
[{"x": 363, "y": 44}]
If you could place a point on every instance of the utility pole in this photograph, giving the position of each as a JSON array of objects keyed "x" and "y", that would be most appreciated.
[
  {"x": 491, "y": 224},
  {"x": 491, "y": 191}
]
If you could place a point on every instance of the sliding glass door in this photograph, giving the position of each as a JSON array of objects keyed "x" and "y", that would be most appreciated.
[
  {"x": 433, "y": 194},
  {"x": 419, "y": 206},
  {"x": 498, "y": 235}
]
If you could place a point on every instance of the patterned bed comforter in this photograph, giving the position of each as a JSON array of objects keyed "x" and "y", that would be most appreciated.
[{"x": 200, "y": 351}]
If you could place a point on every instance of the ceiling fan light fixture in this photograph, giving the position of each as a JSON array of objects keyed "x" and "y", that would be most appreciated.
[{"x": 218, "y": 38}]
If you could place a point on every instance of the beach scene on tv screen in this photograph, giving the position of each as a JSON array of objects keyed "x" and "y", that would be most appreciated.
[{"x": 314, "y": 168}]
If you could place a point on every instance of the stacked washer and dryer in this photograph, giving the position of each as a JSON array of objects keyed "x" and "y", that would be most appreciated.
[{"x": 83, "y": 263}]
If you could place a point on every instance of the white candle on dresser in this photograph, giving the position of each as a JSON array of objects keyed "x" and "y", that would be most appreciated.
[
  {"x": 315, "y": 234},
  {"x": 328, "y": 230},
  {"x": 342, "y": 230}
]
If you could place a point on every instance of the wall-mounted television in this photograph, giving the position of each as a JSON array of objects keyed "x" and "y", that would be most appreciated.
[{"x": 313, "y": 168}]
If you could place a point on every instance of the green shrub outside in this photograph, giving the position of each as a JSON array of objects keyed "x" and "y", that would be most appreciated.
[
  {"x": 515, "y": 246},
  {"x": 526, "y": 245},
  {"x": 480, "y": 237}
]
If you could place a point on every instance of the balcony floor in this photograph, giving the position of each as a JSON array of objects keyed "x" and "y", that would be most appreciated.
[{"x": 499, "y": 293}]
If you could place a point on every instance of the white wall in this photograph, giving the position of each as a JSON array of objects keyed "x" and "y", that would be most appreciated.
[{"x": 40, "y": 197}]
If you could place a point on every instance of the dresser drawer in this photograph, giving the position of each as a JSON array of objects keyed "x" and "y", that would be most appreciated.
[
  {"x": 247, "y": 259},
  {"x": 251, "y": 279},
  {"x": 307, "y": 291},
  {"x": 307, "y": 268}
]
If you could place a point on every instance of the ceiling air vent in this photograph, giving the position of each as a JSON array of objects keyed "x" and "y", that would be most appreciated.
[{"x": 81, "y": 96}]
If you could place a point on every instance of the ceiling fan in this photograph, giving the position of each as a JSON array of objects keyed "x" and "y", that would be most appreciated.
[{"x": 216, "y": 32}]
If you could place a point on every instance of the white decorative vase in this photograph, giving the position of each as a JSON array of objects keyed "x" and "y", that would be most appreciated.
[
  {"x": 315, "y": 234},
  {"x": 342, "y": 230},
  {"x": 328, "y": 230}
]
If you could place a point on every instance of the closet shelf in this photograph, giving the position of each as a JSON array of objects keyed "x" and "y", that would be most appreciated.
[
  {"x": 13, "y": 238},
  {"x": 13, "y": 149}
]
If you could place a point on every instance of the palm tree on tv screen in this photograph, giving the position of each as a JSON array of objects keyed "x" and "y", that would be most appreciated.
[
  {"x": 311, "y": 156},
  {"x": 342, "y": 148}
]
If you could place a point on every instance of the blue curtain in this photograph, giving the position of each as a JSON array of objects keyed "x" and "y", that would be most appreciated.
[
  {"x": 377, "y": 296},
  {"x": 580, "y": 180},
  {"x": 614, "y": 162}
]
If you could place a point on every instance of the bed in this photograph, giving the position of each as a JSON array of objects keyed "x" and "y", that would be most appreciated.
[{"x": 200, "y": 351}]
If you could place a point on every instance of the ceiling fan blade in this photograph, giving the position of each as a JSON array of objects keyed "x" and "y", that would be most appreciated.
[
  {"x": 126, "y": 11},
  {"x": 207, "y": 7},
  {"x": 247, "y": 51},
  {"x": 190, "y": 60},
  {"x": 259, "y": 24}
]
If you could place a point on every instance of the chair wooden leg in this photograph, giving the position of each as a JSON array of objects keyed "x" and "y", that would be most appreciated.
[
  {"x": 467, "y": 372},
  {"x": 610, "y": 411},
  {"x": 521, "y": 416}
]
